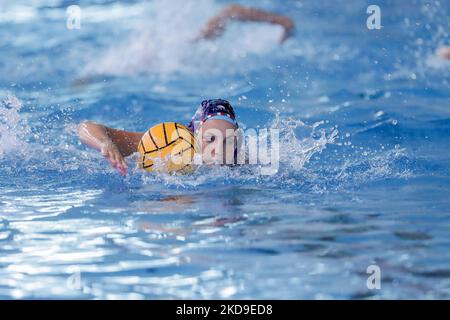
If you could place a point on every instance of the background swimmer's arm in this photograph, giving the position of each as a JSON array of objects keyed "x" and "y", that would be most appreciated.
[
  {"x": 112, "y": 143},
  {"x": 216, "y": 26}
]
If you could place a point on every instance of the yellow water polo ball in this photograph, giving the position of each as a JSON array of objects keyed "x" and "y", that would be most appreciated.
[{"x": 167, "y": 147}]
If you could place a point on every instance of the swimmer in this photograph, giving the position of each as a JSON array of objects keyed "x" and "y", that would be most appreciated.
[
  {"x": 216, "y": 26},
  {"x": 212, "y": 124},
  {"x": 443, "y": 52}
]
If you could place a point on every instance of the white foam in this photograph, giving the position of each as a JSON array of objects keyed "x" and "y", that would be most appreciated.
[
  {"x": 13, "y": 129},
  {"x": 165, "y": 45}
]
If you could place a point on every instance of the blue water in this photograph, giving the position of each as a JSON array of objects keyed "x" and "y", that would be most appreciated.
[{"x": 373, "y": 189}]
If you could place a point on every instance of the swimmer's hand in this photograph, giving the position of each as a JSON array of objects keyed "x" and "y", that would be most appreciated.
[
  {"x": 288, "y": 26},
  {"x": 113, "y": 144},
  {"x": 110, "y": 151}
]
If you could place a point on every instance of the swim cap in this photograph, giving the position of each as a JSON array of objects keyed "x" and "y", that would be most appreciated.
[{"x": 212, "y": 109}]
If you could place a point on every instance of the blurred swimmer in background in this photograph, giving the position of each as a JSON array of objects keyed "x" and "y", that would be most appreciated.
[
  {"x": 216, "y": 25},
  {"x": 168, "y": 44}
]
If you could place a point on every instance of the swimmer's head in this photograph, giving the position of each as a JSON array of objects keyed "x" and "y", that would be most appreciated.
[{"x": 215, "y": 126}]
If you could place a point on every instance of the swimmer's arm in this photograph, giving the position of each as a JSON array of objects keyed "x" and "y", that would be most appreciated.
[
  {"x": 112, "y": 143},
  {"x": 216, "y": 26}
]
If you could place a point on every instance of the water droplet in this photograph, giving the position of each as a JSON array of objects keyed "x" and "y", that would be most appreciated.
[{"x": 323, "y": 99}]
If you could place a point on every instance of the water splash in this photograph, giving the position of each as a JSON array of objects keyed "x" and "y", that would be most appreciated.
[
  {"x": 13, "y": 127},
  {"x": 165, "y": 44},
  {"x": 297, "y": 150},
  {"x": 426, "y": 33},
  {"x": 298, "y": 142}
]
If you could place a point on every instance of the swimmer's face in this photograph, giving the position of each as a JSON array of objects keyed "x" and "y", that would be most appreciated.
[{"x": 218, "y": 142}]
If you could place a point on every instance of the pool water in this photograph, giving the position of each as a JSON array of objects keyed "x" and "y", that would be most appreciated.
[{"x": 364, "y": 173}]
